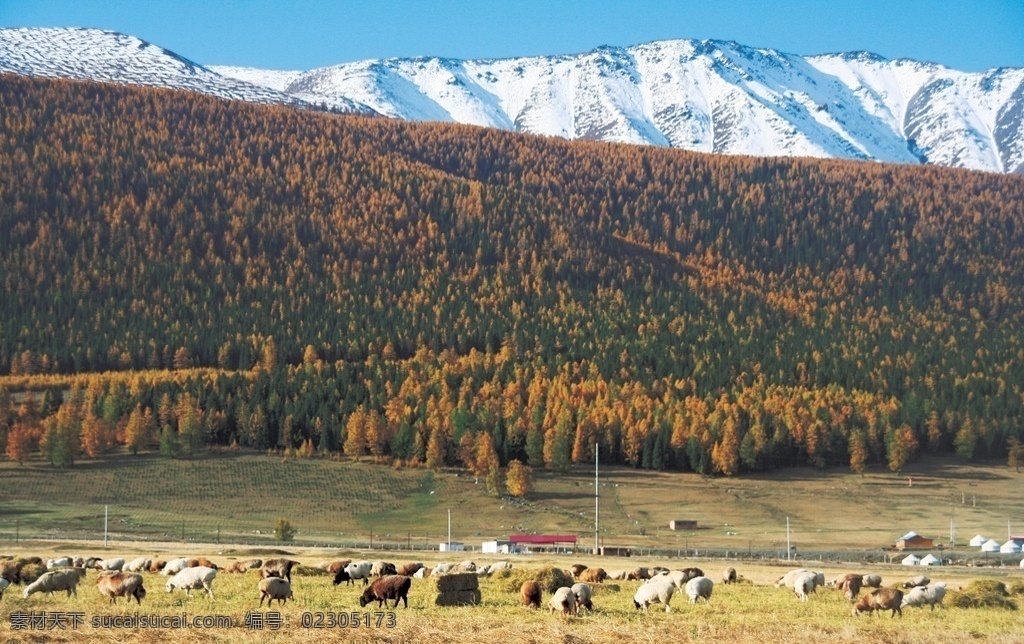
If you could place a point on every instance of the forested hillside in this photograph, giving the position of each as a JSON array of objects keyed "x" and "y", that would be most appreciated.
[{"x": 421, "y": 292}]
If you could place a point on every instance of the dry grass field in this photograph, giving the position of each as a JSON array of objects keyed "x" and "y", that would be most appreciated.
[{"x": 751, "y": 611}]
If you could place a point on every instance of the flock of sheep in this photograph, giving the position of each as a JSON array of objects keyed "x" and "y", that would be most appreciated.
[{"x": 120, "y": 578}]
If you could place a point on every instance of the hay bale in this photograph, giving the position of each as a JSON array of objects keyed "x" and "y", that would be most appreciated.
[
  {"x": 981, "y": 593},
  {"x": 30, "y": 572},
  {"x": 458, "y": 598},
  {"x": 310, "y": 571},
  {"x": 550, "y": 579},
  {"x": 457, "y": 582}
]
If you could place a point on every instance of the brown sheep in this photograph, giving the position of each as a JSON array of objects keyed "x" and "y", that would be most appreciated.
[
  {"x": 576, "y": 569},
  {"x": 334, "y": 566},
  {"x": 121, "y": 584},
  {"x": 879, "y": 600},
  {"x": 692, "y": 573},
  {"x": 245, "y": 564},
  {"x": 278, "y": 568},
  {"x": 10, "y": 570},
  {"x": 410, "y": 569},
  {"x": 593, "y": 575},
  {"x": 850, "y": 584},
  {"x": 273, "y": 588},
  {"x": 157, "y": 565},
  {"x": 388, "y": 587},
  {"x": 639, "y": 573},
  {"x": 729, "y": 575},
  {"x": 530, "y": 593}
]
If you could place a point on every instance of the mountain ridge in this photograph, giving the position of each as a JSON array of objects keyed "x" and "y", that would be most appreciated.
[{"x": 703, "y": 95}]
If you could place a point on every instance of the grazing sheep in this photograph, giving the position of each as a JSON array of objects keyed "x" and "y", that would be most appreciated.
[
  {"x": 618, "y": 575},
  {"x": 422, "y": 573},
  {"x": 584, "y": 596},
  {"x": 530, "y": 594},
  {"x": 791, "y": 576},
  {"x": 850, "y": 584},
  {"x": 388, "y": 587},
  {"x": 273, "y": 588},
  {"x": 382, "y": 568},
  {"x": 803, "y": 585},
  {"x": 879, "y": 600},
  {"x": 656, "y": 591},
  {"x": 657, "y": 570},
  {"x": 699, "y": 588},
  {"x": 278, "y": 568},
  {"x": 638, "y": 573},
  {"x": 202, "y": 561},
  {"x": 593, "y": 575},
  {"x": 174, "y": 566},
  {"x": 189, "y": 578},
  {"x": 10, "y": 571},
  {"x": 114, "y": 565},
  {"x": 138, "y": 564},
  {"x": 442, "y": 569},
  {"x": 3, "y": 586},
  {"x": 121, "y": 584},
  {"x": 464, "y": 566},
  {"x": 62, "y": 562},
  {"x": 353, "y": 571},
  {"x": 872, "y": 580},
  {"x": 66, "y": 580},
  {"x": 563, "y": 600},
  {"x": 245, "y": 565},
  {"x": 576, "y": 569},
  {"x": 410, "y": 569},
  {"x": 921, "y": 595},
  {"x": 157, "y": 566},
  {"x": 919, "y": 580},
  {"x": 729, "y": 575}
]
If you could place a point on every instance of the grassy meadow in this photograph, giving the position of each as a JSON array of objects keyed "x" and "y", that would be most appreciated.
[{"x": 236, "y": 497}]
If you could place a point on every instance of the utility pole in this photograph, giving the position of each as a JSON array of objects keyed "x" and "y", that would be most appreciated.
[
  {"x": 597, "y": 504},
  {"x": 789, "y": 548},
  {"x": 106, "y": 522}
]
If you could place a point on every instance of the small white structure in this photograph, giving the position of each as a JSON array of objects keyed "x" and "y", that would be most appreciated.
[
  {"x": 1010, "y": 546},
  {"x": 978, "y": 541},
  {"x": 452, "y": 546},
  {"x": 1022, "y": 564},
  {"x": 991, "y": 546},
  {"x": 911, "y": 560},
  {"x": 496, "y": 547},
  {"x": 930, "y": 560}
]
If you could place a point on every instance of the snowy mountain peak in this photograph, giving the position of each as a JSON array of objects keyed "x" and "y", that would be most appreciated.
[{"x": 706, "y": 95}]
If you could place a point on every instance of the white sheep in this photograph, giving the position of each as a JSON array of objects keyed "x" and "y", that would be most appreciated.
[
  {"x": 790, "y": 577},
  {"x": 584, "y": 596},
  {"x": 422, "y": 573},
  {"x": 66, "y": 579},
  {"x": 441, "y": 569},
  {"x": 872, "y": 580},
  {"x": 464, "y": 566},
  {"x": 62, "y": 562},
  {"x": 919, "y": 580},
  {"x": 138, "y": 564},
  {"x": 618, "y": 575},
  {"x": 359, "y": 570},
  {"x": 273, "y": 588},
  {"x": 174, "y": 566},
  {"x": 699, "y": 587},
  {"x": 921, "y": 595},
  {"x": 111, "y": 564},
  {"x": 804, "y": 584},
  {"x": 189, "y": 578},
  {"x": 563, "y": 600},
  {"x": 658, "y": 590}
]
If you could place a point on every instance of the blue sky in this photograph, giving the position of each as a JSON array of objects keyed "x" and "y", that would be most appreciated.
[{"x": 303, "y": 34}]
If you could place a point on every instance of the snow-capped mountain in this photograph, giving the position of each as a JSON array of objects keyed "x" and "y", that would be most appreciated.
[
  {"x": 107, "y": 56},
  {"x": 704, "y": 95}
]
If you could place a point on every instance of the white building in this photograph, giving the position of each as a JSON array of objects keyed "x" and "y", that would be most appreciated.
[
  {"x": 496, "y": 547},
  {"x": 978, "y": 541},
  {"x": 452, "y": 546},
  {"x": 991, "y": 546},
  {"x": 1010, "y": 546},
  {"x": 930, "y": 560}
]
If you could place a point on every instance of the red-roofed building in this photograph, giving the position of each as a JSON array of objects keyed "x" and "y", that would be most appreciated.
[{"x": 544, "y": 541}]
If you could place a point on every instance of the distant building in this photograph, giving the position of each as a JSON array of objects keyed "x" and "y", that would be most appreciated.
[
  {"x": 914, "y": 541},
  {"x": 497, "y": 547},
  {"x": 541, "y": 542},
  {"x": 452, "y": 546},
  {"x": 681, "y": 524},
  {"x": 614, "y": 551}
]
